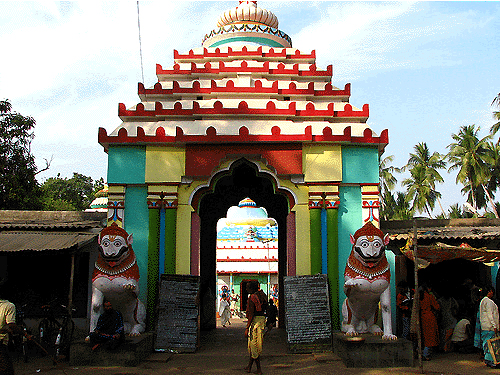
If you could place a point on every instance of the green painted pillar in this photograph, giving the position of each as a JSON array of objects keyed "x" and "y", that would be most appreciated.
[
  {"x": 332, "y": 242},
  {"x": 170, "y": 235},
  {"x": 153, "y": 262},
  {"x": 315, "y": 233}
]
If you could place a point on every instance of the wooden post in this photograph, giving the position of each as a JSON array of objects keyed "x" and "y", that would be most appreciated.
[
  {"x": 71, "y": 283},
  {"x": 416, "y": 298}
]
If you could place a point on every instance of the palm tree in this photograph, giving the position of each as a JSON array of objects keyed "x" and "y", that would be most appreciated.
[
  {"x": 430, "y": 163},
  {"x": 456, "y": 212},
  {"x": 496, "y": 115},
  {"x": 402, "y": 209},
  {"x": 387, "y": 179},
  {"x": 469, "y": 155},
  {"x": 493, "y": 160},
  {"x": 396, "y": 208},
  {"x": 420, "y": 191}
]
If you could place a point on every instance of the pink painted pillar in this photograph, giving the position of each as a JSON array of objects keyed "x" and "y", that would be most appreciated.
[
  {"x": 290, "y": 245},
  {"x": 195, "y": 244}
]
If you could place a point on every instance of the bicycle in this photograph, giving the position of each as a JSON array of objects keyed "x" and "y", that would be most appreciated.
[
  {"x": 18, "y": 341},
  {"x": 56, "y": 332}
]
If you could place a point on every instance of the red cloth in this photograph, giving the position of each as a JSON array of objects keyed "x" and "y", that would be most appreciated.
[{"x": 428, "y": 320}]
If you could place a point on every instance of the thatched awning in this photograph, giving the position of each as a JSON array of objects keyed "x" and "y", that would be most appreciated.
[{"x": 438, "y": 252}]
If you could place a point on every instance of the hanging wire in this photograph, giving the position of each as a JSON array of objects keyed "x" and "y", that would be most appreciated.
[{"x": 140, "y": 41}]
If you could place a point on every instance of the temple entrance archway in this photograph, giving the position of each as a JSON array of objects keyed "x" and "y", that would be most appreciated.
[{"x": 242, "y": 180}]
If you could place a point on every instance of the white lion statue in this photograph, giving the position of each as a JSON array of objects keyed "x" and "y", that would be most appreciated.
[
  {"x": 116, "y": 279},
  {"x": 367, "y": 278}
]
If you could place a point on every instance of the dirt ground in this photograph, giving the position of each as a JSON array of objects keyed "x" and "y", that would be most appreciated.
[{"x": 223, "y": 351}]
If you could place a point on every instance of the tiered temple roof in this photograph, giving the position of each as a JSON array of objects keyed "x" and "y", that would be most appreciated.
[{"x": 243, "y": 93}]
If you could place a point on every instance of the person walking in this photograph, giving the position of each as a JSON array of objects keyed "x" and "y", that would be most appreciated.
[
  {"x": 256, "y": 310},
  {"x": 404, "y": 302},
  {"x": 224, "y": 310},
  {"x": 429, "y": 325},
  {"x": 488, "y": 315},
  {"x": 271, "y": 316},
  {"x": 235, "y": 306}
]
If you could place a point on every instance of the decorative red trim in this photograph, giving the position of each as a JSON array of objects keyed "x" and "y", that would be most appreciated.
[
  {"x": 243, "y": 109},
  {"x": 244, "y": 52},
  {"x": 335, "y": 205},
  {"x": 163, "y": 184},
  {"x": 246, "y": 272},
  {"x": 243, "y": 137},
  {"x": 248, "y": 260},
  {"x": 162, "y": 204},
  {"x": 325, "y": 183},
  {"x": 158, "y": 90},
  {"x": 281, "y": 70},
  {"x": 203, "y": 159},
  {"x": 315, "y": 204}
]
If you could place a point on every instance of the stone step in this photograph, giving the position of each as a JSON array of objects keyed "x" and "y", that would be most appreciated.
[
  {"x": 371, "y": 351},
  {"x": 130, "y": 353}
]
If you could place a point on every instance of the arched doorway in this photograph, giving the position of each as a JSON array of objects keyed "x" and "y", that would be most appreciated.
[{"x": 243, "y": 179}]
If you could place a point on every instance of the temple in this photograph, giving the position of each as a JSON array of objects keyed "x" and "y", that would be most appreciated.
[{"x": 244, "y": 116}]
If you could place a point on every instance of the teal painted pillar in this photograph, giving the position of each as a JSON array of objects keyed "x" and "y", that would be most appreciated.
[
  {"x": 391, "y": 259},
  {"x": 350, "y": 220},
  {"x": 332, "y": 238},
  {"x": 153, "y": 261},
  {"x": 137, "y": 223},
  {"x": 170, "y": 239},
  {"x": 315, "y": 234}
]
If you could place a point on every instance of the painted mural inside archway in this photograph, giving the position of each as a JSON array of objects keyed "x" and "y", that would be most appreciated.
[
  {"x": 241, "y": 181},
  {"x": 247, "y": 249}
]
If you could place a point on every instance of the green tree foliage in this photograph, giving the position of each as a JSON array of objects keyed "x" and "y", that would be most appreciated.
[
  {"x": 430, "y": 165},
  {"x": 496, "y": 115},
  {"x": 19, "y": 189},
  {"x": 469, "y": 154},
  {"x": 396, "y": 207},
  {"x": 387, "y": 180},
  {"x": 73, "y": 194},
  {"x": 419, "y": 191}
]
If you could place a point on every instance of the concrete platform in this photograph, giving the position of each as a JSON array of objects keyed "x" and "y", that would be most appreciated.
[
  {"x": 129, "y": 353},
  {"x": 373, "y": 352}
]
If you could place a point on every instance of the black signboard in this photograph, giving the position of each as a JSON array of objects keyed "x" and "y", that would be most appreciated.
[
  {"x": 177, "y": 314},
  {"x": 307, "y": 313}
]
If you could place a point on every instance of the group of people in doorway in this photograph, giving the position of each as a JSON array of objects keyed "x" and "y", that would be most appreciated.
[{"x": 446, "y": 325}]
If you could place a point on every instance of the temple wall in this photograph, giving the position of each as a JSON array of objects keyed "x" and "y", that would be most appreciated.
[
  {"x": 345, "y": 173},
  {"x": 359, "y": 165},
  {"x": 322, "y": 162},
  {"x": 126, "y": 164},
  {"x": 165, "y": 164}
]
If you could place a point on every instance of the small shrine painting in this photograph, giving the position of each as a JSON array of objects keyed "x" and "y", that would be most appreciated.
[{"x": 247, "y": 247}]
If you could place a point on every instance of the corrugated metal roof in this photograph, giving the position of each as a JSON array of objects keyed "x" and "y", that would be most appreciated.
[
  {"x": 51, "y": 224},
  {"x": 441, "y": 233},
  {"x": 13, "y": 241}
]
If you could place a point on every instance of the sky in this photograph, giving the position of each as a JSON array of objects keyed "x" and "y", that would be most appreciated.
[{"x": 424, "y": 68}]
